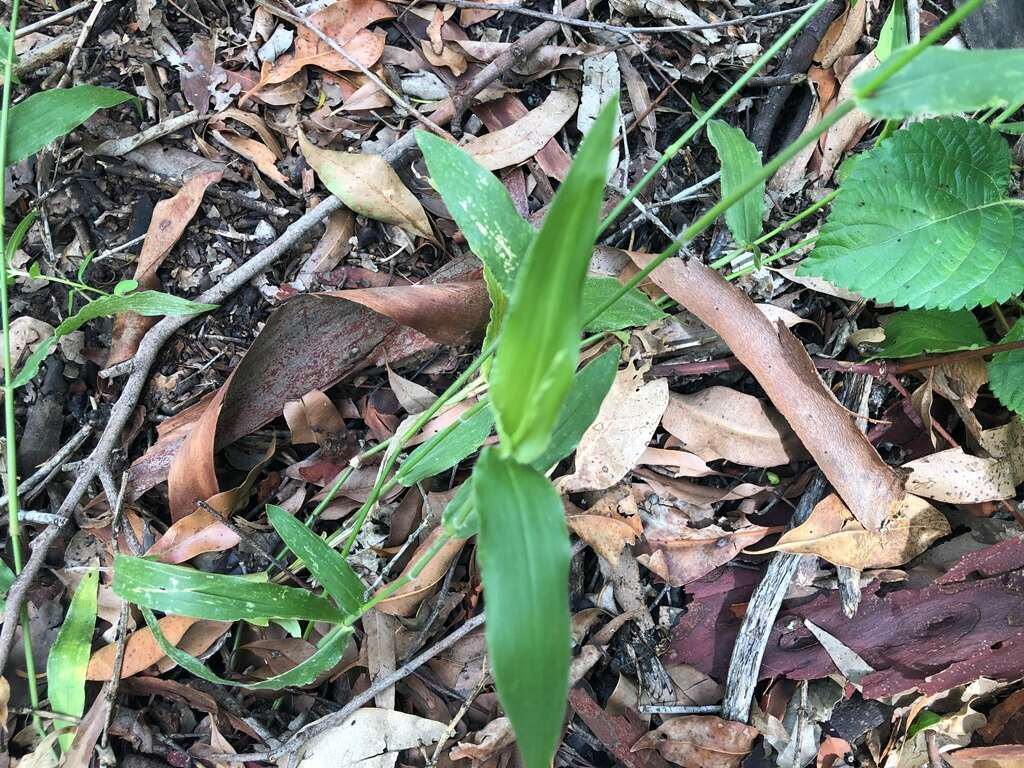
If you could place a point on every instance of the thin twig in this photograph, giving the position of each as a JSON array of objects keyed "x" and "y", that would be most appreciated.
[
  {"x": 51, "y": 466},
  {"x": 65, "y": 79},
  {"x": 617, "y": 28},
  {"x": 59, "y": 16}
]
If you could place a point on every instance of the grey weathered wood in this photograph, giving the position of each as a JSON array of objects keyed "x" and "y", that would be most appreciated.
[{"x": 997, "y": 24}]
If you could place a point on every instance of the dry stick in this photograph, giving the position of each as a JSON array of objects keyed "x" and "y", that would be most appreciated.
[
  {"x": 44, "y": 23},
  {"x": 65, "y": 79},
  {"x": 53, "y": 50},
  {"x": 51, "y": 466},
  {"x": 292, "y": 748},
  {"x": 571, "y": 21},
  {"x": 869, "y": 487},
  {"x": 752, "y": 639},
  {"x": 160, "y": 333}
]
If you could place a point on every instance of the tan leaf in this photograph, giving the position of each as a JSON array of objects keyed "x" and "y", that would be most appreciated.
[
  {"x": 843, "y": 35},
  {"x": 260, "y": 154},
  {"x": 684, "y": 555},
  {"x": 619, "y": 435},
  {"x": 413, "y": 397},
  {"x": 405, "y": 601},
  {"x": 141, "y": 650},
  {"x": 196, "y": 533},
  {"x": 701, "y": 741},
  {"x": 1000, "y": 756},
  {"x": 721, "y": 423},
  {"x": 447, "y": 57},
  {"x": 833, "y": 534},
  {"x": 958, "y": 478},
  {"x": 850, "y": 128},
  {"x": 368, "y": 185},
  {"x": 314, "y": 419},
  {"x": 27, "y": 334},
  {"x": 526, "y": 137},
  {"x": 369, "y": 738},
  {"x": 196, "y": 641},
  {"x": 488, "y": 742},
  {"x": 607, "y": 536},
  {"x": 684, "y": 463}
]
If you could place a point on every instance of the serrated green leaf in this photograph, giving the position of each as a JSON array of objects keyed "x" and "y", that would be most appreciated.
[
  {"x": 149, "y": 303},
  {"x": 69, "y": 657},
  {"x": 923, "y": 221},
  {"x": 47, "y": 115},
  {"x": 481, "y": 206},
  {"x": 329, "y": 652},
  {"x": 740, "y": 160},
  {"x": 1006, "y": 372},
  {"x": 539, "y": 344},
  {"x": 324, "y": 562},
  {"x": 634, "y": 309},
  {"x": 187, "y": 592},
  {"x": 524, "y": 555},
  {"x": 945, "y": 81},
  {"x": 448, "y": 447},
  {"x": 930, "y": 331},
  {"x": 894, "y": 32}
]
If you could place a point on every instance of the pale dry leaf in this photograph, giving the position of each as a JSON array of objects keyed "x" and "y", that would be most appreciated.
[
  {"x": 665, "y": 9},
  {"x": 959, "y": 478},
  {"x": 485, "y": 744},
  {"x": 5, "y": 698},
  {"x": 447, "y": 57},
  {"x": 27, "y": 333},
  {"x": 601, "y": 81},
  {"x": 684, "y": 463},
  {"x": 369, "y": 186},
  {"x": 721, "y": 423},
  {"x": 818, "y": 284},
  {"x": 314, "y": 420},
  {"x": 681, "y": 555},
  {"x": 850, "y": 128},
  {"x": 611, "y": 446},
  {"x": 413, "y": 397},
  {"x": 847, "y": 660},
  {"x": 258, "y": 153},
  {"x": 604, "y": 528},
  {"x": 833, "y": 534},
  {"x": 999, "y": 756},
  {"x": 527, "y": 136},
  {"x": 368, "y": 738},
  {"x": 703, "y": 741},
  {"x": 843, "y": 35}
]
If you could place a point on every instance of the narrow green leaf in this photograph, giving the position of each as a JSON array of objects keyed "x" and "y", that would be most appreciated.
[
  {"x": 633, "y": 310},
  {"x": 1013, "y": 129},
  {"x": 448, "y": 447},
  {"x": 187, "y": 592},
  {"x": 740, "y": 160},
  {"x": 148, "y": 303},
  {"x": 7, "y": 578},
  {"x": 946, "y": 81},
  {"x": 326, "y": 564},
  {"x": 481, "y": 206},
  {"x": 524, "y": 561},
  {"x": 589, "y": 387},
  {"x": 14, "y": 241},
  {"x": 47, "y": 115},
  {"x": 539, "y": 343},
  {"x": 894, "y": 32},
  {"x": 1006, "y": 372},
  {"x": 329, "y": 652},
  {"x": 923, "y": 221},
  {"x": 928, "y": 331},
  {"x": 69, "y": 656}
]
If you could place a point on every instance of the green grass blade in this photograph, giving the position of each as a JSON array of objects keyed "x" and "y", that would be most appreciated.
[
  {"x": 448, "y": 447},
  {"x": 524, "y": 561},
  {"x": 740, "y": 160},
  {"x": 323, "y": 561},
  {"x": 539, "y": 344},
  {"x": 187, "y": 592},
  {"x": 328, "y": 654},
  {"x": 48, "y": 115},
  {"x": 148, "y": 303},
  {"x": 69, "y": 656}
]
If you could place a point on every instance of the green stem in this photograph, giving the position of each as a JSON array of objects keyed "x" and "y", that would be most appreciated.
[
  {"x": 5, "y": 328},
  {"x": 55, "y": 279},
  {"x": 1006, "y": 114},
  {"x": 808, "y": 211},
  {"x": 773, "y": 258},
  {"x": 724, "y": 99}
]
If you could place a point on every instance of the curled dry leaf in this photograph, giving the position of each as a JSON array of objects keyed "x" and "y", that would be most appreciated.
[
  {"x": 608, "y": 533},
  {"x": 721, "y": 423},
  {"x": 619, "y": 435},
  {"x": 684, "y": 463},
  {"x": 832, "y": 533},
  {"x": 26, "y": 335},
  {"x": 849, "y": 130},
  {"x": 314, "y": 419},
  {"x": 370, "y": 738},
  {"x": 487, "y": 743},
  {"x": 406, "y": 600},
  {"x": 682, "y": 555},
  {"x": 196, "y": 533},
  {"x": 843, "y": 35},
  {"x": 526, "y": 137},
  {"x": 369, "y": 186},
  {"x": 701, "y": 741}
]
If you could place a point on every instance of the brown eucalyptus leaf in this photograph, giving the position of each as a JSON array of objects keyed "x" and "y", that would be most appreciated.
[
  {"x": 369, "y": 186},
  {"x": 406, "y": 600},
  {"x": 141, "y": 650},
  {"x": 701, "y": 741},
  {"x": 196, "y": 533},
  {"x": 611, "y": 446},
  {"x": 526, "y": 137},
  {"x": 833, "y": 534},
  {"x": 683, "y": 555},
  {"x": 721, "y": 423},
  {"x": 959, "y": 478}
]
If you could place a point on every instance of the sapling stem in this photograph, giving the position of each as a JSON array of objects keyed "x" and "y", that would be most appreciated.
[{"x": 11, "y": 449}]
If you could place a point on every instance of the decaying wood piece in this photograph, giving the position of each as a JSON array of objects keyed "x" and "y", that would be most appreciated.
[{"x": 869, "y": 487}]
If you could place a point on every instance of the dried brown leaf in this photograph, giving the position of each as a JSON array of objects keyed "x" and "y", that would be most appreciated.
[
  {"x": 701, "y": 741},
  {"x": 196, "y": 533},
  {"x": 526, "y": 137},
  {"x": 406, "y": 600},
  {"x": 683, "y": 555},
  {"x": 721, "y": 423}
]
